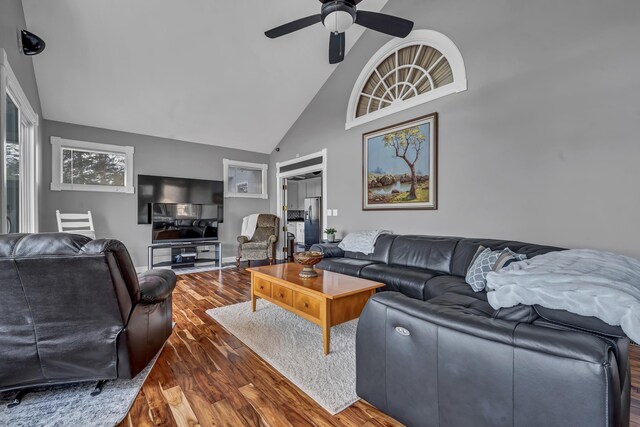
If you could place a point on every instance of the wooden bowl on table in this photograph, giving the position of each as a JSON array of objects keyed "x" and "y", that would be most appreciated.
[{"x": 308, "y": 260}]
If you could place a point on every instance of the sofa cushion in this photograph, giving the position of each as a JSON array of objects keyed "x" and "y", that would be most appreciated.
[
  {"x": 576, "y": 321},
  {"x": 466, "y": 249},
  {"x": 451, "y": 284},
  {"x": 409, "y": 281},
  {"x": 380, "y": 252},
  {"x": 466, "y": 303},
  {"x": 349, "y": 266},
  {"x": 255, "y": 245},
  {"x": 426, "y": 252}
]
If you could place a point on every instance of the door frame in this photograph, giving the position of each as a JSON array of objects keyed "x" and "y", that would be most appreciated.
[
  {"x": 280, "y": 176},
  {"x": 29, "y": 122}
]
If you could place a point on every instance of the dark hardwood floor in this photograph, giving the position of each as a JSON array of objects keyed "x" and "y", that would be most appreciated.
[{"x": 206, "y": 376}]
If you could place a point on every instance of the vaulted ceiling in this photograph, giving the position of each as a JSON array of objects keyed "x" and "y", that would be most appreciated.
[{"x": 198, "y": 71}]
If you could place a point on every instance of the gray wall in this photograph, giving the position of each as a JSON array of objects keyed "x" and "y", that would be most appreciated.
[
  {"x": 544, "y": 146},
  {"x": 11, "y": 20},
  {"x": 115, "y": 215}
]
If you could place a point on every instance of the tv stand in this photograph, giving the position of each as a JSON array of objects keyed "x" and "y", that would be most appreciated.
[{"x": 186, "y": 254}]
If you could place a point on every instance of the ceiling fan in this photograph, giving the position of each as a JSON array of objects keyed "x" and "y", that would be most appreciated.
[{"x": 337, "y": 16}]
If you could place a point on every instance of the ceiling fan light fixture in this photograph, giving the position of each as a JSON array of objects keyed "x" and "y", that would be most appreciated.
[{"x": 337, "y": 17}]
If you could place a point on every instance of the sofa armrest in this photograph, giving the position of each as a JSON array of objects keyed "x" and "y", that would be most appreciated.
[
  {"x": 560, "y": 343},
  {"x": 404, "y": 345},
  {"x": 156, "y": 285},
  {"x": 272, "y": 239},
  {"x": 330, "y": 250},
  {"x": 243, "y": 239}
]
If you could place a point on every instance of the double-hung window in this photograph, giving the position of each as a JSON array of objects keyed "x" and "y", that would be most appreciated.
[{"x": 89, "y": 166}]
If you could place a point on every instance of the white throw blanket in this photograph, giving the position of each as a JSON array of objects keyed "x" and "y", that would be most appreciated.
[
  {"x": 581, "y": 281},
  {"x": 249, "y": 224},
  {"x": 361, "y": 241}
]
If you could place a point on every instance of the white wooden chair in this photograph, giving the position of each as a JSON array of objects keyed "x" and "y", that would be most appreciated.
[{"x": 76, "y": 224}]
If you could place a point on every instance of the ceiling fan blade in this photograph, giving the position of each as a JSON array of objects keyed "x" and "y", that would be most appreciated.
[
  {"x": 336, "y": 48},
  {"x": 392, "y": 25},
  {"x": 292, "y": 26}
]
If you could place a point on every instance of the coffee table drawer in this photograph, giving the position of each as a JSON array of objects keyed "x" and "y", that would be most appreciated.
[
  {"x": 282, "y": 294},
  {"x": 262, "y": 287},
  {"x": 307, "y": 304}
]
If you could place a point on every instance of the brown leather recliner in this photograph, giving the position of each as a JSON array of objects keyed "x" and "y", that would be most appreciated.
[{"x": 73, "y": 309}]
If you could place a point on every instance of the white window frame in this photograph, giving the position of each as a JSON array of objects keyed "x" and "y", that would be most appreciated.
[
  {"x": 58, "y": 144},
  {"x": 226, "y": 163},
  {"x": 29, "y": 122},
  {"x": 431, "y": 38}
]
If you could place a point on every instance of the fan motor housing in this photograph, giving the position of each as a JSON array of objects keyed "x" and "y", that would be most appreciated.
[{"x": 338, "y": 16}]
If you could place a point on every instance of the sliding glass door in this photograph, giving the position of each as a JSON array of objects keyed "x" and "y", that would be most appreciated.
[
  {"x": 19, "y": 177},
  {"x": 12, "y": 162}
]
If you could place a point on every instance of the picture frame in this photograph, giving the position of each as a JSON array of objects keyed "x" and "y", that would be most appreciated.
[{"x": 400, "y": 166}]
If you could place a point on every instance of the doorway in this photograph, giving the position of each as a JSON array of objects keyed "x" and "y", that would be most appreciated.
[
  {"x": 18, "y": 156},
  {"x": 302, "y": 202}
]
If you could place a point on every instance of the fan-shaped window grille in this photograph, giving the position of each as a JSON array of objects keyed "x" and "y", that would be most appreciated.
[{"x": 406, "y": 72}]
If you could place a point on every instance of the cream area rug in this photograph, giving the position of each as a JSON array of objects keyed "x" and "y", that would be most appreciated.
[{"x": 293, "y": 346}]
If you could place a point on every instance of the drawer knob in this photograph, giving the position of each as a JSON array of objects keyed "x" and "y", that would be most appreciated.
[
  {"x": 281, "y": 295},
  {"x": 306, "y": 305}
]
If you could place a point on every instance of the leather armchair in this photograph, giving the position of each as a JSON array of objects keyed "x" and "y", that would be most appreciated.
[
  {"x": 263, "y": 243},
  {"x": 74, "y": 309}
]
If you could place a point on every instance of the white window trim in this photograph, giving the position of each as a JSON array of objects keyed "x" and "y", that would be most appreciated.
[
  {"x": 29, "y": 168},
  {"x": 427, "y": 37},
  {"x": 57, "y": 144},
  {"x": 226, "y": 163}
]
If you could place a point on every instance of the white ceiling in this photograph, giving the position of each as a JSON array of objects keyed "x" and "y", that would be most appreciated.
[{"x": 198, "y": 70}]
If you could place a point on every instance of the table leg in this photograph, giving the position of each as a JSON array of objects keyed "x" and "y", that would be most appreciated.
[
  {"x": 325, "y": 316},
  {"x": 253, "y": 295}
]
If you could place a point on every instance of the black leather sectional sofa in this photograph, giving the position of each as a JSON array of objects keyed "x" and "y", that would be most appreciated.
[{"x": 432, "y": 352}]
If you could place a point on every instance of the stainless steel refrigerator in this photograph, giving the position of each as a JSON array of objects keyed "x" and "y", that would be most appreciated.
[{"x": 312, "y": 225}]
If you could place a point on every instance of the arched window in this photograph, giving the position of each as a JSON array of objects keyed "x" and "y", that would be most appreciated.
[{"x": 404, "y": 73}]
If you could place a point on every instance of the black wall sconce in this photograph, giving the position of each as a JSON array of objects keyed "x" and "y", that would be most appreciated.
[{"x": 30, "y": 44}]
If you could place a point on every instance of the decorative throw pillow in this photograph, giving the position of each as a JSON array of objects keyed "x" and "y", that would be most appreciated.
[
  {"x": 486, "y": 261},
  {"x": 480, "y": 267},
  {"x": 507, "y": 257}
]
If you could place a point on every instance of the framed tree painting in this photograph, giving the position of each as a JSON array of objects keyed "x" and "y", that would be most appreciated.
[{"x": 400, "y": 165}]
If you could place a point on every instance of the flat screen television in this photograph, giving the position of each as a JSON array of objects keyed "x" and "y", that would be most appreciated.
[
  {"x": 184, "y": 222},
  {"x": 170, "y": 190}
]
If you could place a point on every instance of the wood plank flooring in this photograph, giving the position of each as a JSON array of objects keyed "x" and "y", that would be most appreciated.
[{"x": 207, "y": 377}]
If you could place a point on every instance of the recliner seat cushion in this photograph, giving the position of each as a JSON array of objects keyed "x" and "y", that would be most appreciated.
[
  {"x": 585, "y": 323},
  {"x": 349, "y": 266},
  {"x": 255, "y": 245},
  {"x": 407, "y": 280},
  {"x": 441, "y": 285},
  {"x": 465, "y": 303}
]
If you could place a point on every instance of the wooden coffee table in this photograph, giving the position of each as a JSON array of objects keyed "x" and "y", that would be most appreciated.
[{"x": 326, "y": 300}]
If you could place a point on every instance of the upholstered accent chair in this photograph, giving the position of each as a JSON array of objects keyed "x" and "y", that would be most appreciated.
[{"x": 263, "y": 243}]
